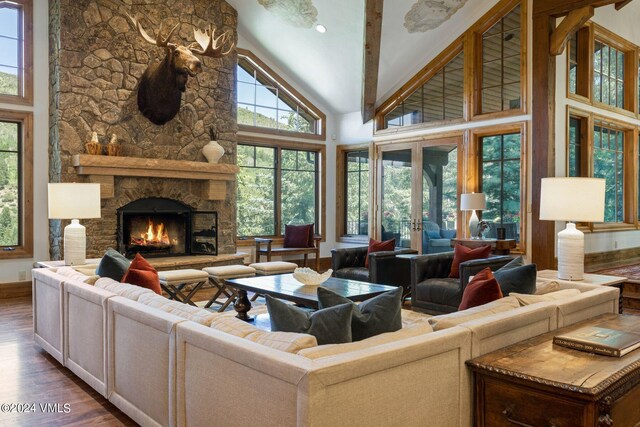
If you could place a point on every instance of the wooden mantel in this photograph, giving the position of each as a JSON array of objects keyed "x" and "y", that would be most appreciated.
[{"x": 103, "y": 169}]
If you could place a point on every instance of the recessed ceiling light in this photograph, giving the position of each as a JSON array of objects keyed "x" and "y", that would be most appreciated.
[{"x": 321, "y": 28}]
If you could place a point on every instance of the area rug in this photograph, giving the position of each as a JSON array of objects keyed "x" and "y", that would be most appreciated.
[{"x": 631, "y": 272}]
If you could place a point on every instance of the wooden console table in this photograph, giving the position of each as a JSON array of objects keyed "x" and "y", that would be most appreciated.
[
  {"x": 536, "y": 383},
  {"x": 498, "y": 247}
]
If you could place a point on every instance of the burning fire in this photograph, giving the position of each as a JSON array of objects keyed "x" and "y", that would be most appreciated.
[{"x": 156, "y": 235}]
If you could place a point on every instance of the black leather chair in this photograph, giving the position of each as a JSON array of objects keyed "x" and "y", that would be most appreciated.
[
  {"x": 384, "y": 267},
  {"x": 433, "y": 292}
]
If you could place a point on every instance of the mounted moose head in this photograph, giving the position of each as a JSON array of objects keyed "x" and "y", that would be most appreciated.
[{"x": 161, "y": 86}]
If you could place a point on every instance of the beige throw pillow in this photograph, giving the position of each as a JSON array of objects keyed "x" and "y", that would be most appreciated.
[
  {"x": 546, "y": 286},
  {"x": 445, "y": 321},
  {"x": 71, "y": 273},
  {"x": 526, "y": 299}
]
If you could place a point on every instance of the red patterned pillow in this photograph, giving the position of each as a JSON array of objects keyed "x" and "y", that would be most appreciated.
[
  {"x": 376, "y": 246},
  {"x": 141, "y": 273},
  {"x": 462, "y": 253},
  {"x": 298, "y": 236},
  {"x": 482, "y": 289}
]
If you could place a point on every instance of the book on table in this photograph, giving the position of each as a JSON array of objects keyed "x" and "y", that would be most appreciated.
[{"x": 593, "y": 339}]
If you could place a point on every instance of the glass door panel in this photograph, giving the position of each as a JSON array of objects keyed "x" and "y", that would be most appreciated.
[
  {"x": 396, "y": 197},
  {"x": 439, "y": 197}
]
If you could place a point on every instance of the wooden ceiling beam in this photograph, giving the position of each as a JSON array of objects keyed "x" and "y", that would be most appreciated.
[
  {"x": 560, "y": 8},
  {"x": 622, "y": 4},
  {"x": 371, "y": 57},
  {"x": 569, "y": 25}
]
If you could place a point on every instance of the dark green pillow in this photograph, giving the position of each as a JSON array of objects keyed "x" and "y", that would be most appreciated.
[
  {"x": 113, "y": 265},
  {"x": 517, "y": 277},
  {"x": 329, "y": 326},
  {"x": 372, "y": 317}
]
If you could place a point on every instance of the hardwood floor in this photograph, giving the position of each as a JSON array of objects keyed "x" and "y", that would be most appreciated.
[{"x": 28, "y": 375}]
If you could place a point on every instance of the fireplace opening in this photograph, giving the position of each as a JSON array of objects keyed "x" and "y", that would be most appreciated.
[{"x": 164, "y": 227}]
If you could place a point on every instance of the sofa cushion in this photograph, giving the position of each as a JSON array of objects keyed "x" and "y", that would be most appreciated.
[
  {"x": 462, "y": 253},
  {"x": 376, "y": 246},
  {"x": 546, "y": 286},
  {"x": 445, "y": 321},
  {"x": 440, "y": 290},
  {"x": 189, "y": 312},
  {"x": 113, "y": 265},
  {"x": 482, "y": 289},
  {"x": 141, "y": 273},
  {"x": 526, "y": 299},
  {"x": 298, "y": 236},
  {"x": 125, "y": 290},
  {"x": 329, "y": 326},
  {"x": 73, "y": 274},
  {"x": 515, "y": 276},
  {"x": 87, "y": 270},
  {"x": 433, "y": 234},
  {"x": 353, "y": 273},
  {"x": 372, "y": 317},
  {"x": 329, "y": 350},
  {"x": 448, "y": 234}
]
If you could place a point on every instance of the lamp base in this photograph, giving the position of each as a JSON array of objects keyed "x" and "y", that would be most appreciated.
[
  {"x": 473, "y": 225},
  {"x": 571, "y": 253},
  {"x": 75, "y": 244}
]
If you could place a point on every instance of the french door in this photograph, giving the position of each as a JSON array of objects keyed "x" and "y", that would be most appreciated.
[{"x": 417, "y": 193}]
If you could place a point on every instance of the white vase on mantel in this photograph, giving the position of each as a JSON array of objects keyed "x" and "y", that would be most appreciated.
[{"x": 213, "y": 151}]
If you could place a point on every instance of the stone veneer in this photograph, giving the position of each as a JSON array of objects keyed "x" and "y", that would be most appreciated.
[{"x": 96, "y": 61}]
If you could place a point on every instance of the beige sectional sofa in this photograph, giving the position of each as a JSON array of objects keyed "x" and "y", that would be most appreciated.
[{"x": 162, "y": 369}]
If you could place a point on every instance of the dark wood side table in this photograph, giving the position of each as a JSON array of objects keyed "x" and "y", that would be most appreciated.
[
  {"x": 498, "y": 247},
  {"x": 536, "y": 383}
]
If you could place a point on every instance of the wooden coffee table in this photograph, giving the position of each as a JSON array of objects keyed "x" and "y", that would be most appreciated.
[{"x": 284, "y": 286}]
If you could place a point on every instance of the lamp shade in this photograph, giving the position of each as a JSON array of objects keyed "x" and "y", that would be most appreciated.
[
  {"x": 473, "y": 201},
  {"x": 572, "y": 199},
  {"x": 74, "y": 201}
]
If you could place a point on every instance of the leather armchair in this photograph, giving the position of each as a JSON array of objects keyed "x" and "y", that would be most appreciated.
[
  {"x": 384, "y": 267},
  {"x": 433, "y": 292}
]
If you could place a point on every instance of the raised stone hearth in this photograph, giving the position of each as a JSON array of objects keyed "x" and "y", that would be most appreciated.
[{"x": 97, "y": 59}]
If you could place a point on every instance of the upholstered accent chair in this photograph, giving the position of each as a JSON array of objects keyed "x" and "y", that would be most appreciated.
[
  {"x": 435, "y": 239},
  {"x": 384, "y": 267},
  {"x": 433, "y": 291}
]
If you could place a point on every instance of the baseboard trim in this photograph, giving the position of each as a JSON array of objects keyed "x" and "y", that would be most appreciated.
[
  {"x": 15, "y": 289},
  {"x": 602, "y": 260}
]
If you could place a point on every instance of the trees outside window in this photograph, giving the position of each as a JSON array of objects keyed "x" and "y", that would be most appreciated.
[
  {"x": 10, "y": 149},
  {"x": 356, "y": 193}
]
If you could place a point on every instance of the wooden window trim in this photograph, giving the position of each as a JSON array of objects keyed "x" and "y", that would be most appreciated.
[
  {"x": 292, "y": 93},
  {"x": 487, "y": 21},
  {"x": 473, "y": 170},
  {"x": 322, "y": 192},
  {"x": 341, "y": 174},
  {"x": 630, "y": 185},
  {"x": 584, "y": 77},
  {"x": 25, "y": 58},
  {"x": 25, "y": 249}
]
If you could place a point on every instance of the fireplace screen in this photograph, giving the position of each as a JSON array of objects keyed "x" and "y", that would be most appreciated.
[{"x": 165, "y": 227}]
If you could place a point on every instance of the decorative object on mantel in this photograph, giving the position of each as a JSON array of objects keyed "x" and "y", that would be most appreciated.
[
  {"x": 310, "y": 277},
  {"x": 74, "y": 201},
  {"x": 213, "y": 151},
  {"x": 113, "y": 147},
  {"x": 158, "y": 101},
  {"x": 93, "y": 147}
]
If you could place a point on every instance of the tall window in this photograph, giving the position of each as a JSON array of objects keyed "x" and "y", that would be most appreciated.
[
  {"x": 575, "y": 147},
  {"x": 440, "y": 98},
  {"x": 277, "y": 186},
  {"x": 500, "y": 168},
  {"x": 608, "y": 163},
  {"x": 501, "y": 64},
  {"x": 573, "y": 62},
  {"x": 356, "y": 193},
  {"x": 608, "y": 75},
  {"x": 15, "y": 51},
  {"x": 10, "y": 180},
  {"x": 264, "y": 101}
]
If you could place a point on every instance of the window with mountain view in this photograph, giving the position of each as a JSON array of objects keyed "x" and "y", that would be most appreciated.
[
  {"x": 277, "y": 185},
  {"x": 15, "y": 45},
  {"x": 266, "y": 102}
]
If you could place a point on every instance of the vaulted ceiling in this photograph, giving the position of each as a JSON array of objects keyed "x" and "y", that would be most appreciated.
[{"x": 329, "y": 66}]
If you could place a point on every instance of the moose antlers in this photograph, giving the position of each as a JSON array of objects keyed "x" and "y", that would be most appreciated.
[{"x": 206, "y": 44}]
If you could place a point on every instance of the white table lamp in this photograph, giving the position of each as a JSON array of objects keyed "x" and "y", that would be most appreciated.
[
  {"x": 574, "y": 200},
  {"x": 473, "y": 202},
  {"x": 74, "y": 201}
]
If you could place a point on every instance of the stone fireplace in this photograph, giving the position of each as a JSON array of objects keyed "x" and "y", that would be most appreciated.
[{"x": 97, "y": 59}]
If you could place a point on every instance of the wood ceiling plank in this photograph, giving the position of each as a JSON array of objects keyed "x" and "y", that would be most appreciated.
[
  {"x": 569, "y": 25},
  {"x": 371, "y": 59},
  {"x": 622, "y": 4},
  {"x": 558, "y": 8}
]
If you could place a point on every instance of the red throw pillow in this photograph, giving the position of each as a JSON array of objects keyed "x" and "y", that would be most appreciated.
[
  {"x": 141, "y": 273},
  {"x": 376, "y": 246},
  {"x": 298, "y": 236},
  {"x": 483, "y": 288},
  {"x": 462, "y": 253}
]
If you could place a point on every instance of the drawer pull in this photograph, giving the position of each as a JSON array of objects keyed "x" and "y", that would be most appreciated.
[{"x": 507, "y": 413}]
